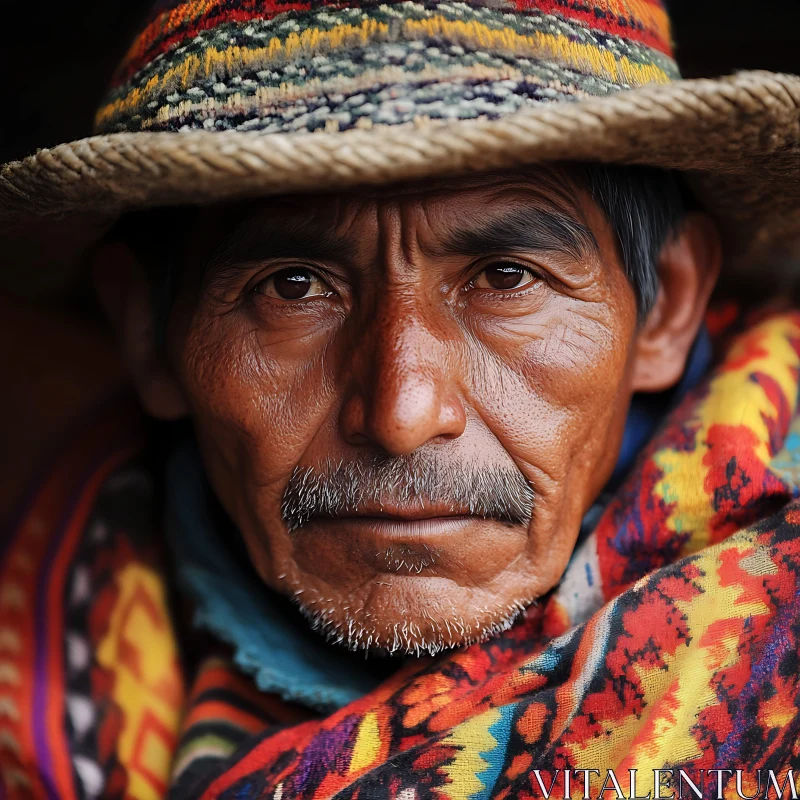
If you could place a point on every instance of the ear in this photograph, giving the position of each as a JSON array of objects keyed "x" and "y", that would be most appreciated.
[
  {"x": 126, "y": 296},
  {"x": 688, "y": 269}
]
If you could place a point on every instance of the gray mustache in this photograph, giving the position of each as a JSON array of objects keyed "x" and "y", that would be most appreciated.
[{"x": 341, "y": 488}]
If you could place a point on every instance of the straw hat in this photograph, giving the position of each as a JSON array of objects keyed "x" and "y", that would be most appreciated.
[{"x": 224, "y": 99}]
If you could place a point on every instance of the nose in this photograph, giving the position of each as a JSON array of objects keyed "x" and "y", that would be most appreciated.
[{"x": 404, "y": 393}]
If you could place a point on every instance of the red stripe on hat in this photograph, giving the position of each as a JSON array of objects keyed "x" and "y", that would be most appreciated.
[
  {"x": 643, "y": 21},
  {"x": 183, "y": 23}
]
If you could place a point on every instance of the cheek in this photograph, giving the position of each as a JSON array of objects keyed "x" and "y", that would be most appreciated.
[
  {"x": 256, "y": 405},
  {"x": 555, "y": 391}
]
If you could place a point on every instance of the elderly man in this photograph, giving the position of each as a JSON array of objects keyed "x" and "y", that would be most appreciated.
[{"x": 466, "y": 492}]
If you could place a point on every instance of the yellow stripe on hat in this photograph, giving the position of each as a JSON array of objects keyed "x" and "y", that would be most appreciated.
[
  {"x": 234, "y": 60},
  {"x": 583, "y": 57}
]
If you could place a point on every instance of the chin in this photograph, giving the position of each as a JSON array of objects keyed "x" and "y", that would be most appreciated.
[
  {"x": 407, "y": 614},
  {"x": 410, "y": 586}
]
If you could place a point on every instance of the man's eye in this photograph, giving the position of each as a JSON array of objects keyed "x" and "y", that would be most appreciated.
[
  {"x": 295, "y": 283},
  {"x": 504, "y": 277}
]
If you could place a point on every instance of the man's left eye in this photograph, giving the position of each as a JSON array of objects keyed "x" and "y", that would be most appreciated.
[
  {"x": 503, "y": 277},
  {"x": 295, "y": 283}
]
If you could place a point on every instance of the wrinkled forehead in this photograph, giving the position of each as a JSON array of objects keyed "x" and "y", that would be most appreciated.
[
  {"x": 433, "y": 212},
  {"x": 550, "y": 182}
]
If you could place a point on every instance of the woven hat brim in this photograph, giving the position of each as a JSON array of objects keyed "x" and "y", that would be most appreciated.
[{"x": 736, "y": 138}]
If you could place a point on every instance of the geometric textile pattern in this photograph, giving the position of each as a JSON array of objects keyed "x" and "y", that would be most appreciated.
[
  {"x": 282, "y": 65},
  {"x": 671, "y": 642},
  {"x": 63, "y": 571}
]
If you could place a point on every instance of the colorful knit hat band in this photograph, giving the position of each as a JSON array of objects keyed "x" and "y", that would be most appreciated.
[{"x": 291, "y": 66}]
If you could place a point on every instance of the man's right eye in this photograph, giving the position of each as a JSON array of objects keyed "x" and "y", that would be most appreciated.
[
  {"x": 293, "y": 283},
  {"x": 504, "y": 276}
]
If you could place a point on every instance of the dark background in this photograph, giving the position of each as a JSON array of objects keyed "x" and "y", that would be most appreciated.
[{"x": 57, "y": 55}]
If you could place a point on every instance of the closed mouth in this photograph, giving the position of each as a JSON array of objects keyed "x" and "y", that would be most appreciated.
[
  {"x": 391, "y": 525},
  {"x": 389, "y": 522},
  {"x": 405, "y": 514}
]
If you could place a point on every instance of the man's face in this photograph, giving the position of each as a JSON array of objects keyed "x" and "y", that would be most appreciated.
[{"x": 407, "y": 399}]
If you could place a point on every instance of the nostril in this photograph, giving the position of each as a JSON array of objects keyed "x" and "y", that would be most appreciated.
[
  {"x": 444, "y": 437},
  {"x": 352, "y": 421}
]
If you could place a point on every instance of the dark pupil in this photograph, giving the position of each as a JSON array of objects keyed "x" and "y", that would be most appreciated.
[
  {"x": 504, "y": 276},
  {"x": 291, "y": 285}
]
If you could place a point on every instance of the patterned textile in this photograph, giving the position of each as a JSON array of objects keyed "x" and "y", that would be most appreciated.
[
  {"x": 231, "y": 603},
  {"x": 91, "y": 693},
  {"x": 672, "y": 642},
  {"x": 296, "y": 65}
]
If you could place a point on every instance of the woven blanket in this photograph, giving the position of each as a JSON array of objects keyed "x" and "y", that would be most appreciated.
[{"x": 665, "y": 661}]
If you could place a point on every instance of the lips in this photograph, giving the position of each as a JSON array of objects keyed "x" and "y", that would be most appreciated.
[
  {"x": 403, "y": 513},
  {"x": 409, "y": 541},
  {"x": 417, "y": 520},
  {"x": 393, "y": 526},
  {"x": 432, "y": 523}
]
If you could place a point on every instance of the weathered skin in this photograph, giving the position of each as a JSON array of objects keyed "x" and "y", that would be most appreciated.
[{"x": 405, "y": 347}]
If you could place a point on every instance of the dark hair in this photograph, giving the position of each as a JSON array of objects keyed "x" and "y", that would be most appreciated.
[{"x": 644, "y": 206}]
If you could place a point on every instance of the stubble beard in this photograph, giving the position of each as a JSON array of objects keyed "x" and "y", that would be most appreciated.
[
  {"x": 357, "y": 630},
  {"x": 335, "y": 489}
]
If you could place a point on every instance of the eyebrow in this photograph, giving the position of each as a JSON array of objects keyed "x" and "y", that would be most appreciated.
[
  {"x": 522, "y": 229},
  {"x": 256, "y": 239}
]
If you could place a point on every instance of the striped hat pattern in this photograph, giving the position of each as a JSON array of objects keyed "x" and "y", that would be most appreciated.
[{"x": 283, "y": 65}]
